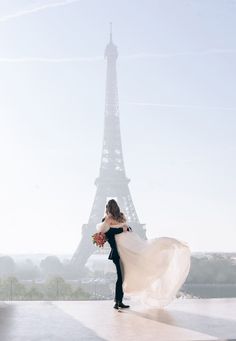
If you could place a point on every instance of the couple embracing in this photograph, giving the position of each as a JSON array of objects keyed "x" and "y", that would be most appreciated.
[{"x": 152, "y": 270}]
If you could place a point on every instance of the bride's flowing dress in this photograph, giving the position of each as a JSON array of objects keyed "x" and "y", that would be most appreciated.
[{"x": 154, "y": 269}]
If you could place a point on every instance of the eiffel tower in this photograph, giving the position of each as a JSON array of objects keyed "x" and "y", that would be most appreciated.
[{"x": 112, "y": 181}]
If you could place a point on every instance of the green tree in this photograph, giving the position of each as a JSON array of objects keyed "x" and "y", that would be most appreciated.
[
  {"x": 12, "y": 289},
  {"x": 34, "y": 294},
  {"x": 80, "y": 294},
  {"x": 27, "y": 270},
  {"x": 56, "y": 288},
  {"x": 7, "y": 266},
  {"x": 52, "y": 266}
]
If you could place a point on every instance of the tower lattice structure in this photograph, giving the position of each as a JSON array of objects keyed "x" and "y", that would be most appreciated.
[{"x": 112, "y": 181}]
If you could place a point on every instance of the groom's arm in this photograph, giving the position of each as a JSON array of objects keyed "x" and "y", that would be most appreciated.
[{"x": 114, "y": 230}]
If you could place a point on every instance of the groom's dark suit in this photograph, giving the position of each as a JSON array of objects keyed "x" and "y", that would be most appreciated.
[
  {"x": 110, "y": 234},
  {"x": 114, "y": 256}
]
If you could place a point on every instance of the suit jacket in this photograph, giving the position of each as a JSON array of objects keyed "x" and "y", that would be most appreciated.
[{"x": 110, "y": 234}]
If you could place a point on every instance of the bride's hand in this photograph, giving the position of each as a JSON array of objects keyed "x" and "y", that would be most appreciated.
[
  {"x": 125, "y": 228},
  {"x": 128, "y": 228}
]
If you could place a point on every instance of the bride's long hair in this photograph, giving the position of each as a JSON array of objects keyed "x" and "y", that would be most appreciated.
[{"x": 113, "y": 208}]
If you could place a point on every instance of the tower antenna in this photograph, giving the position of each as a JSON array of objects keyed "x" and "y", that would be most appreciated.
[{"x": 110, "y": 32}]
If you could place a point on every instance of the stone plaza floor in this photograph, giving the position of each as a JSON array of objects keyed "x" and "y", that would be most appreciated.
[{"x": 183, "y": 319}]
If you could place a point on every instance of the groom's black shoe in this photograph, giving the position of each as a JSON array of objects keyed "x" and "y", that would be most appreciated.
[
  {"x": 122, "y": 305},
  {"x": 116, "y": 306}
]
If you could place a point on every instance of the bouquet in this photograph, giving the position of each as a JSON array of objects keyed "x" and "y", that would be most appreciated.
[{"x": 99, "y": 239}]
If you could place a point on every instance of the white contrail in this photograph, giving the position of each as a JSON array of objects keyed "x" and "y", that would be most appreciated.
[
  {"x": 179, "y": 106},
  {"x": 179, "y": 54},
  {"x": 100, "y": 58},
  {"x": 50, "y": 60},
  {"x": 36, "y": 9}
]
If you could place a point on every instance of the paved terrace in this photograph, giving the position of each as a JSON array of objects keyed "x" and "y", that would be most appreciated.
[{"x": 184, "y": 319}]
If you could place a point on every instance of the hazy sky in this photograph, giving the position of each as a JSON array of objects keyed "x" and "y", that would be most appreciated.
[{"x": 176, "y": 78}]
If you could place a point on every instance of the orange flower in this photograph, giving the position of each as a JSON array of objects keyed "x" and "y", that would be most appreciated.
[{"x": 99, "y": 239}]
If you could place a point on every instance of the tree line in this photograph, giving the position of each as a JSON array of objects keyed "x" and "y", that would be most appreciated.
[{"x": 212, "y": 268}]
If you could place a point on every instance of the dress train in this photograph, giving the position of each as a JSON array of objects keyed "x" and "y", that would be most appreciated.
[{"x": 153, "y": 270}]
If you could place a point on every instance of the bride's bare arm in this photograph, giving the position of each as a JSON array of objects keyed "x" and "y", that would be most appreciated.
[{"x": 104, "y": 225}]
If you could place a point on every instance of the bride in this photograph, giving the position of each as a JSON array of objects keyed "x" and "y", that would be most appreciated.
[{"x": 152, "y": 270}]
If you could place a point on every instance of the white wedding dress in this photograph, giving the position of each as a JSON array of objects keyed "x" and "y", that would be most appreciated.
[{"x": 153, "y": 270}]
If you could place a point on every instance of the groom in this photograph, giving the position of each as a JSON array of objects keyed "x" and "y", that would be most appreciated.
[{"x": 114, "y": 256}]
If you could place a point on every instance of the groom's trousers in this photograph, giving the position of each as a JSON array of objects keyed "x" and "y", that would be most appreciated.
[{"x": 118, "y": 290}]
